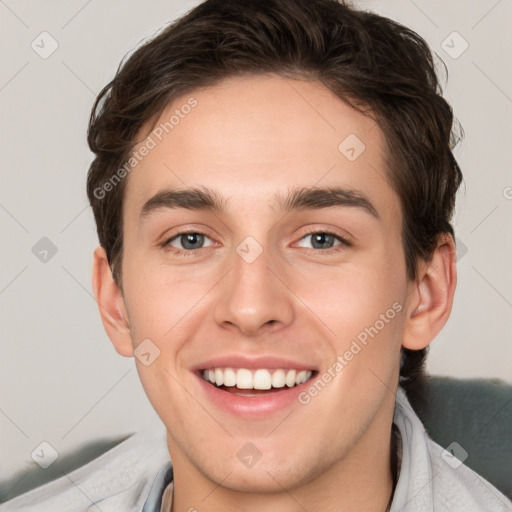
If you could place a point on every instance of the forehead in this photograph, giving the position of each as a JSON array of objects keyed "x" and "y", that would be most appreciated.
[{"x": 251, "y": 137}]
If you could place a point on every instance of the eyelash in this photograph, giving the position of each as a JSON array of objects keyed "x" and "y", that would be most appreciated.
[
  {"x": 344, "y": 243},
  {"x": 182, "y": 252}
]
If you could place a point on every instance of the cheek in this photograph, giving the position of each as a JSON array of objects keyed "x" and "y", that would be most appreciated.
[
  {"x": 159, "y": 299},
  {"x": 162, "y": 308},
  {"x": 349, "y": 299},
  {"x": 361, "y": 309}
]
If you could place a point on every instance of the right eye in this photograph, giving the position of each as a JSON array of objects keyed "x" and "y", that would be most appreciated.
[{"x": 188, "y": 242}]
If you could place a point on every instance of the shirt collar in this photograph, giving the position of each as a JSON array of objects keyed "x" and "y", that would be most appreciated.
[{"x": 162, "y": 480}]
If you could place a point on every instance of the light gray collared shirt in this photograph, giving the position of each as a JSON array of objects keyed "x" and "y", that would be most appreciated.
[{"x": 134, "y": 475}]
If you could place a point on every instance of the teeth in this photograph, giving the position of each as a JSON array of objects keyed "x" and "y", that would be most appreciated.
[
  {"x": 229, "y": 377},
  {"x": 278, "y": 379},
  {"x": 219, "y": 377},
  {"x": 301, "y": 377},
  {"x": 290, "y": 378},
  {"x": 262, "y": 379},
  {"x": 243, "y": 378}
]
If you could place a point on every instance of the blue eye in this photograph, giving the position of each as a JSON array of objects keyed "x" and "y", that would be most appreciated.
[
  {"x": 325, "y": 241},
  {"x": 190, "y": 241},
  {"x": 322, "y": 240}
]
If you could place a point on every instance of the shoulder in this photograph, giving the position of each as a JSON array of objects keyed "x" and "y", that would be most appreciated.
[
  {"x": 433, "y": 478},
  {"x": 457, "y": 487},
  {"x": 119, "y": 479}
]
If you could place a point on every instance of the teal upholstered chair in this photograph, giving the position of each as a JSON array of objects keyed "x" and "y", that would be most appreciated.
[{"x": 476, "y": 414}]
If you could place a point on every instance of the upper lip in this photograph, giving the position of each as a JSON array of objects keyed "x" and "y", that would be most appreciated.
[{"x": 252, "y": 363}]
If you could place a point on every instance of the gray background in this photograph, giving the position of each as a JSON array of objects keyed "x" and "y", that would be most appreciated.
[{"x": 61, "y": 380}]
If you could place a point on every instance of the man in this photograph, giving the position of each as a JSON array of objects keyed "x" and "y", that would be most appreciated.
[{"x": 273, "y": 188}]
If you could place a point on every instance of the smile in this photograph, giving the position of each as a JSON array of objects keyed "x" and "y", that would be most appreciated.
[{"x": 253, "y": 393}]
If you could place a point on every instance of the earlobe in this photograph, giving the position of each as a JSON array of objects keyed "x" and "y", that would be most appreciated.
[
  {"x": 431, "y": 296},
  {"x": 111, "y": 304}
]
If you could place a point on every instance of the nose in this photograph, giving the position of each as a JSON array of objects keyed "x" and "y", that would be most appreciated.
[{"x": 254, "y": 297}]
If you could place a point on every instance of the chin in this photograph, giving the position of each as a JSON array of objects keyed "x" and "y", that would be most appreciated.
[{"x": 262, "y": 478}]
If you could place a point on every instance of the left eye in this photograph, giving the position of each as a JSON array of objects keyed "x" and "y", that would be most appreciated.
[
  {"x": 188, "y": 241},
  {"x": 322, "y": 240}
]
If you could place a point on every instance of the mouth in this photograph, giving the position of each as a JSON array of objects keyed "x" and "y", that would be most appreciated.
[
  {"x": 255, "y": 382},
  {"x": 253, "y": 386},
  {"x": 254, "y": 393}
]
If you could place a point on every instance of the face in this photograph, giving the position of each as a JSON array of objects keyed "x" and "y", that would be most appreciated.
[{"x": 257, "y": 273}]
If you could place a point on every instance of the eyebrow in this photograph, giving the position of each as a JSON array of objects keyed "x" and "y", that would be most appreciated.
[
  {"x": 318, "y": 198},
  {"x": 205, "y": 199}
]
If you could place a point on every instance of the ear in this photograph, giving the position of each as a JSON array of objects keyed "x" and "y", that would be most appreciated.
[
  {"x": 431, "y": 296},
  {"x": 111, "y": 304}
]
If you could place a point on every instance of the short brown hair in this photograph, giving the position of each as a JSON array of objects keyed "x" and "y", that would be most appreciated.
[{"x": 373, "y": 63}]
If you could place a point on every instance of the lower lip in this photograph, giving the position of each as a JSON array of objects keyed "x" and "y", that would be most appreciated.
[{"x": 257, "y": 406}]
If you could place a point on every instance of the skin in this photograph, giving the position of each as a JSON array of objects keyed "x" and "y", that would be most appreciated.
[{"x": 247, "y": 139}]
